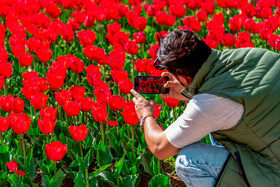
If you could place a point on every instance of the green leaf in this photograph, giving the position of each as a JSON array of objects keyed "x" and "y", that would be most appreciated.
[
  {"x": 5, "y": 156},
  {"x": 79, "y": 179},
  {"x": 30, "y": 164},
  {"x": 43, "y": 167},
  {"x": 119, "y": 166},
  {"x": 160, "y": 180},
  {"x": 129, "y": 181},
  {"x": 103, "y": 154},
  {"x": 103, "y": 168},
  {"x": 108, "y": 178},
  {"x": 15, "y": 182},
  {"x": 46, "y": 181},
  {"x": 58, "y": 178}
]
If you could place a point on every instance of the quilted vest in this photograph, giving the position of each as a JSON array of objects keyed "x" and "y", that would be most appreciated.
[{"x": 251, "y": 77}]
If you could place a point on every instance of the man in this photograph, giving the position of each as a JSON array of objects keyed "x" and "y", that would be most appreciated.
[{"x": 235, "y": 96}]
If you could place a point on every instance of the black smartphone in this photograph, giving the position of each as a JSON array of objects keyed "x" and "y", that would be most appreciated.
[{"x": 150, "y": 84}]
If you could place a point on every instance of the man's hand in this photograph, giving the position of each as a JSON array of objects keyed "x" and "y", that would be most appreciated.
[
  {"x": 143, "y": 107},
  {"x": 174, "y": 86}
]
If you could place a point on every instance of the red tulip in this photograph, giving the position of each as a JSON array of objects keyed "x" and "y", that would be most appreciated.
[
  {"x": 153, "y": 51},
  {"x": 46, "y": 125},
  {"x": 201, "y": 15},
  {"x": 20, "y": 123},
  {"x": 115, "y": 102},
  {"x": 102, "y": 94},
  {"x": 119, "y": 75},
  {"x": 129, "y": 114},
  {"x": 266, "y": 12},
  {"x": 140, "y": 37},
  {"x": 99, "y": 112},
  {"x": 63, "y": 97},
  {"x": 140, "y": 65},
  {"x": 25, "y": 59},
  {"x": 22, "y": 173},
  {"x": 55, "y": 151},
  {"x": 7, "y": 103},
  {"x": 4, "y": 124},
  {"x": 86, "y": 104},
  {"x": 140, "y": 23},
  {"x": 235, "y": 23},
  {"x": 90, "y": 19},
  {"x": 39, "y": 100},
  {"x": 157, "y": 110},
  {"x": 67, "y": 32},
  {"x": 44, "y": 54},
  {"x": 112, "y": 123},
  {"x": 125, "y": 86},
  {"x": 72, "y": 108},
  {"x": 131, "y": 47},
  {"x": 161, "y": 17},
  {"x": 177, "y": 10},
  {"x": 77, "y": 66},
  {"x": 30, "y": 89},
  {"x": 79, "y": 133},
  {"x": 18, "y": 105},
  {"x": 56, "y": 76},
  {"x": 171, "y": 102},
  {"x": 12, "y": 166},
  {"x": 52, "y": 9},
  {"x": 77, "y": 92},
  {"x": 48, "y": 113},
  {"x": 86, "y": 37},
  {"x": 228, "y": 40},
  {"x": 6, "y": 69},
  {"x": 209, "y": 6}
]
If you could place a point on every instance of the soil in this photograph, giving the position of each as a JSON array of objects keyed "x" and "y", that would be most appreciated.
[{"x": 144, "y": 181}]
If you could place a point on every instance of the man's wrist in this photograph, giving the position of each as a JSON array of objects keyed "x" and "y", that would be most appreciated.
[{"x": 144, "y": 117}]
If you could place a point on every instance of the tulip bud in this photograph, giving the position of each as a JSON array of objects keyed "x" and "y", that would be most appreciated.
[
  {"x": 79, "y": 133},
  {"x": 55, "y": 151}
]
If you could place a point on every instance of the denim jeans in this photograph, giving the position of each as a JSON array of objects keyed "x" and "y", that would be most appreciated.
[{"x": 199, "y": 164}]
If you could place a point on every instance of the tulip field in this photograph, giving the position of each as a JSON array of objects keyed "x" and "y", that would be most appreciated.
[{"x": 66, "y": 70}]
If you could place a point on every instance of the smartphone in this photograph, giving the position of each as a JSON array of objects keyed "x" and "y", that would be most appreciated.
[{"x": 150, "y": 84}]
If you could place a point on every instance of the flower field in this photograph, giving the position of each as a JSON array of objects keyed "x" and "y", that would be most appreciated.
[{"x": 66, "y": 70}]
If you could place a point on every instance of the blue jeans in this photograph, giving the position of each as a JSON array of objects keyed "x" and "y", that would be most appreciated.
[{"x": 199, "y": 164}]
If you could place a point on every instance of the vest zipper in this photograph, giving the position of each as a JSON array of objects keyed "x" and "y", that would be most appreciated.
[{"x": 237, "y": 156}]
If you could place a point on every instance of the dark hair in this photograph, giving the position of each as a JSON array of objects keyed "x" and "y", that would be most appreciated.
[{"x": 182, "y": 52}]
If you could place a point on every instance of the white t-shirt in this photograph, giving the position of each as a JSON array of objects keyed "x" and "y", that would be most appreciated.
[{"x": 205, "y": 113}]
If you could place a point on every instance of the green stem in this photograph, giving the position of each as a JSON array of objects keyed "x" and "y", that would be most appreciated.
[
  {"x": 132, "y": 66},
  {"x": 87, "y": 178},
  {"x": 86, "y": 118},
  {"x": 23, "y": 147},
  {"x": 142, "y": 51},
  {"x": 79, "y": 76},
  {"x": 46, "y": 67},
  {"x": 132, "y": 131},
  {"x": 20, "y": 144},
  {"x": 54, "y": 167},
  {"x": 159, "y": 166},
  {"x": 48, "y": 138},
  {"x": 74, "y": 120},
  {"x": 102, "y": 131},
  {"x": 5, "y": 87},
  {"x": 60, "y": 112},
  {"x": 81, "y": 149},
  {"x": 2, "y": 138}
]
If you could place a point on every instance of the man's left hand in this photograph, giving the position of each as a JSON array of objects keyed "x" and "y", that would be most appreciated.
[{"x": 143, "y": 107}]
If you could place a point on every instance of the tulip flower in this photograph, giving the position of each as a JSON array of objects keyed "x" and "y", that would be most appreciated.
[
  {"x": 2, "y": 81},
  {"x": 39, "y": 100},
  {"x": 56, "y": 76},
  {"x": 7, "y": 103},
  {"x": 6, "y": 69},
  {"x": 115, "y": 102},
  {"x": 119, "y": 75},
  {"x": 46, "y": 126},
  {"x": 48, "y": 113},
  {"x": 63, "y": 97},
  {"x": 4, "y": 124},
  {"x": 25, "y": 59},
  {"x": 72, "y": 108},
  {"x": 86, "y": 37},
  {"x": 140, "y": 37},
  {"x": 140, "y": 23},
  {"x": 99, "y": 113},
  {"x": 18, "y": 105},
  {"x": 131, "y": 47},
  {"x": 125, "y": 86},
  {"x": 170, "y": 102},
  {"x": 78, "y": 133},
  {"x": 44, "y": 55},
  {"x": 77, "y": 92},
  {"x": 77, "y": 66},
  {"x": 86, "y": 104},
  {"x": 20, "y": 123},
  {"x": 14, "y": 167},
  {"x": 129, "y": 114},
  {"x": 55, "y": 151}
]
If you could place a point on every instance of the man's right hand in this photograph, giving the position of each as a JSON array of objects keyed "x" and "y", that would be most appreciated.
[{"x": 174, "y": 86}]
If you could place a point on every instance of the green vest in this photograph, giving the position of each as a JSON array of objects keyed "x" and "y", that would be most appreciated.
[{"x": 251, "y": 77}]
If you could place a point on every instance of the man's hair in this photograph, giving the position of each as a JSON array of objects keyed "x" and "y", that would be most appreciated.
[{"x": 182, "y": 52}]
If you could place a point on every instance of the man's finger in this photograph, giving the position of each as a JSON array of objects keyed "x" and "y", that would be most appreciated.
[
  {"x": 170, "y": 84},
  {"x": 134, "y": 100},
  {"x": 152, "y": 103},
  {"x": 136, "y": 94},
  {"x": 167, "y": 74}
]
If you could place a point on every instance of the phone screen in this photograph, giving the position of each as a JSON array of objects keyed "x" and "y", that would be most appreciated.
[{"x": 150, "y": 84}]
